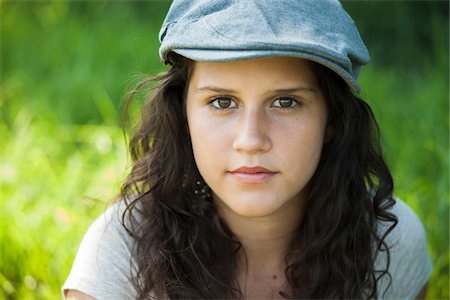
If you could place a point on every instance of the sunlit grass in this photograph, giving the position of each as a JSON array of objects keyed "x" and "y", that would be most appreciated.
[{"x": 55, "y": 179}]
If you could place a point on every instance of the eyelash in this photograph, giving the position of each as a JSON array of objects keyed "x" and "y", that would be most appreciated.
[{"x": 295, "y": 101}]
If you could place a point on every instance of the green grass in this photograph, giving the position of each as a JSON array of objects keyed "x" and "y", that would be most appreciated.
[
  {"x": 64, "y": 68},
  {"x": 412, "y": 111}
]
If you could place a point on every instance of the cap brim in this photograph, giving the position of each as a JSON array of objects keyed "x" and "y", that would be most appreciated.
[{"x": 214, "y": 55}]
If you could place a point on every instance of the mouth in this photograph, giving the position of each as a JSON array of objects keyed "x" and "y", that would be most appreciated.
[{"x": 253, "y": 175}]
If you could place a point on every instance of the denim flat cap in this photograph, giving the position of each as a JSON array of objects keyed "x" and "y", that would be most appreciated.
[{"x": 230, "y": 30}]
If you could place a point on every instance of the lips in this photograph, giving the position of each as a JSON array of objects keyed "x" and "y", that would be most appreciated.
[{"x": 252, "y": 175}]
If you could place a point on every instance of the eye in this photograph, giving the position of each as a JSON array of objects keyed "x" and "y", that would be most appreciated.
[
  {"x": 286, "y": 102},
  {"x": 223, "y": 103}
]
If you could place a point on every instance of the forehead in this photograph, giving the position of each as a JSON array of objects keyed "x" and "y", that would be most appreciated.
[{"x": 273, "y": 70}]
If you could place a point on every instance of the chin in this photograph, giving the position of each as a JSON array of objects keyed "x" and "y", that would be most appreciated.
[
  {"x": 252, "y": 207},
  {"x": 253, "y": 212}
]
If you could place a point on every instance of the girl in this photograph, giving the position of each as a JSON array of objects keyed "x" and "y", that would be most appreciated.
[{"x": 257, "y": 169}]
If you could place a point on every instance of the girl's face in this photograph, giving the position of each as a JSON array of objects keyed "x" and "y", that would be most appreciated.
[{"x": 257, "y": 129}]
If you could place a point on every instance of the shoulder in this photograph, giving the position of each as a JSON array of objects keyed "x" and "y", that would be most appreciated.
[
  {"x": 103, "y": 266},
  {"x": 409, "y": 230},
  {"x": 410, "y": 264}
]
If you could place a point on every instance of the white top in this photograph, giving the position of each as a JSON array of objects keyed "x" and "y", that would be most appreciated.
[{"x": 102, "y": 266}]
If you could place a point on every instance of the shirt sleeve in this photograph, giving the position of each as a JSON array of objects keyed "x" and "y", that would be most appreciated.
[
  {"x": 103, "y": 268},
  {"x": 410, "y": 263}
]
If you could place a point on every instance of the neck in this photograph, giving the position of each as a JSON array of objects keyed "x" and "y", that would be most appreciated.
[{"x": 266, "y": 240}]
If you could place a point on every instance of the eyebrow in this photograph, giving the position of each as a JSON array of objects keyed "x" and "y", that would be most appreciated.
[{"x": 301, "y": 89}]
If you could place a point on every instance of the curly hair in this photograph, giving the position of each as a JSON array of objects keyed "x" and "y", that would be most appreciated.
[{"x": 184, "y": 250}]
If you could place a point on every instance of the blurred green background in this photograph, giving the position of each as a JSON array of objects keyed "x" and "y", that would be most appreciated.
[{"x": 65, "y": 66}]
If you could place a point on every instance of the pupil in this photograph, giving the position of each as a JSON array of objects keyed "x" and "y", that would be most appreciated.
[
  {"x": 285, "y": 102},
  {"x": 224, "y": 103}
]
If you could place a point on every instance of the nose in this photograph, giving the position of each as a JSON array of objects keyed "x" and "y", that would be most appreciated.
[{"x": 253, "y": 133}]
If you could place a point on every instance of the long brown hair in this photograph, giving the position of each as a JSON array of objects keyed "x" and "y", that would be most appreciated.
[{"x": 184, "y": 250}]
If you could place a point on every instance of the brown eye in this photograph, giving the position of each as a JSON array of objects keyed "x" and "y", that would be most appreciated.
[
  {"x": 285, "y": 103},
  {"x": 223, "y": 103}
]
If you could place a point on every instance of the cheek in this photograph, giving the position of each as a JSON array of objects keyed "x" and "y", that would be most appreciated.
[
  {"x": 302, "y": 146},
  {"x": 209, "y": 142}
]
